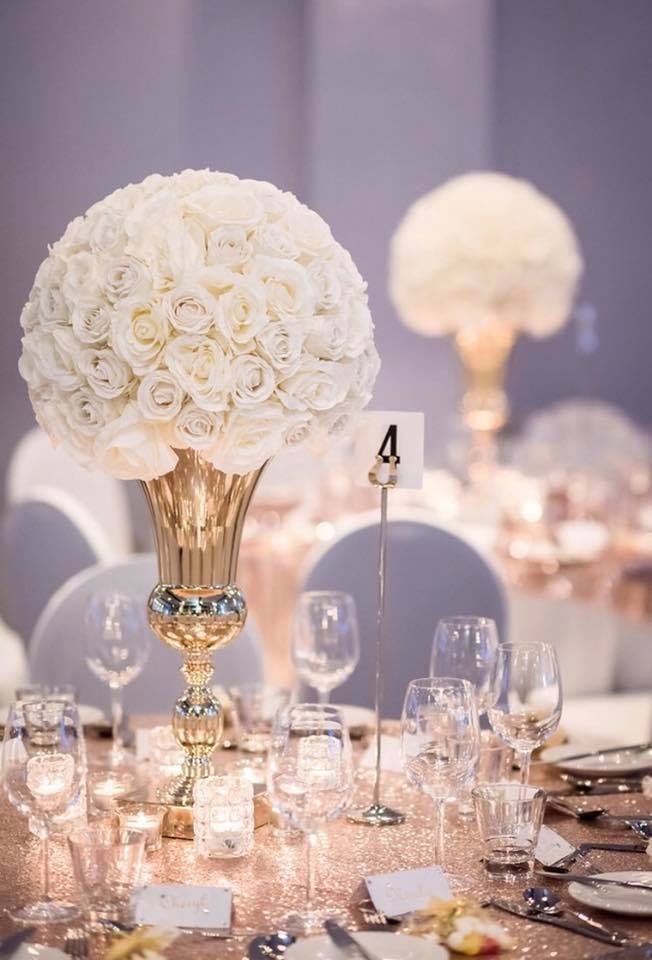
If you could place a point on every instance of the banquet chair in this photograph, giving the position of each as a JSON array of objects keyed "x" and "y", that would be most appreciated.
[
  {"x": 44, "y": 540},
  {"x": 431, "y": 573},
  {"x": 37, "y": 462},
  {"x": 57, "y": 645}
]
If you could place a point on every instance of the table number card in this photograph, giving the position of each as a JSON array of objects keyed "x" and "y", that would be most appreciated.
[
  {"x": 178, "y": 905},
  {"x": 390, "y": 432},
  {"x": 395, "y": 894},
  {"x": 551, "y": 846}
]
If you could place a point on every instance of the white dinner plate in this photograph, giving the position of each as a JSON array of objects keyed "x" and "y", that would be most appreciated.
[
  {"x": 32, "y": 951},
  {"x": 385, "y": 946},
  {"x": 618, "y": 764},
  {"x": 87, "y": 714},
  {"x": 637, "y": 903}
]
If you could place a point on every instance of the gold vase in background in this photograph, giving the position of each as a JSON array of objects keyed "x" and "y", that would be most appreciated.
[
  {"x": 198, "y": 513},
  {"x": 484, "y": 352}
]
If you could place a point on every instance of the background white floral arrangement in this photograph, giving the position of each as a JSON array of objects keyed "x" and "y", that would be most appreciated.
[
  {"x": 482, "y": 249},
  {"x": 196, "y": 310}
]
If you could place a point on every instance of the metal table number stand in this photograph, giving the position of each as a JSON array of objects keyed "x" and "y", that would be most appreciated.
[{"x": 377, "y": 814}]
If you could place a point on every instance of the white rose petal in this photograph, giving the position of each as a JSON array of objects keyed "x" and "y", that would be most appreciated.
[
  {"x": 131, "y": 448},
  {"x": 201, "y": 369},
  {"x": 242, "y": 312},
  {"x": 190, "y": 309},
  {"x": 326, "y": 284},
  {"x": 139, "y": 335},
  {"x": 365, "y": 371},
  {"x": 229, "y": 246},
  {"x": 282, "y": 343},
  {"x": 81, "y": 277},
  {"x": 106, "y": 233},
  {"x": 196, "y": 428},
  {"x": 299, "y": 429},
  {"x": 287, "y": 287},
  {"x": 327, "y": 339},
  {"x": 310, "y": 232},
  {"x": 125, "y": 278},
  {"x": 224, "y": 205},
  {"x": 360, "y": 327},
  {"x": 159, "y": 396},
  {"x": 273, "y": 240},
  {"x": 253, "y": 381},
  {"x": 87, "y": 413},
  {"x": 107, "y": 375},
  {"x": 54, "y": 357},
  {"x": 91, "y": 321},
  {"x": 249, "y": 439},
  {"x": 317, "y": 385}
]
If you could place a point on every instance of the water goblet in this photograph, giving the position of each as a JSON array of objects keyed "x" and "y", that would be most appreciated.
[
  {"x": 466, "y": 647},
  {"x": 526, "y": 698},
  {"x": 118, "y": 642},
  {"x": 439, "y": 742},
  {"x": 310, "y": 781},
  {"x": 43, "y": 764},
  {"x": 325, "y": 639}
]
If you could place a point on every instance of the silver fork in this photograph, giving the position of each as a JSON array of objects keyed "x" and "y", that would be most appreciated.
[{"x": 76, "y": 943}]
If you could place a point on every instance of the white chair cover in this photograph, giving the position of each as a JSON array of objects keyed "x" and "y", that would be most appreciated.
[
  {"x": 57, "y": 646},
  {"x": 45, "y": 541},
  {"x": 15, "y": 668},
  {"x": 431, "y": 573},
  {"x": 36, "y": 462}
]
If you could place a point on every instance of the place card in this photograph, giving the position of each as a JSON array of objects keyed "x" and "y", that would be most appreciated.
[
  {"x": 390, "y": 754},
  {"x": 395, "y": 894},
  {"x": 390, "y": 432},
  {"x": 178, "y": 905},
  {"x": 551, "y": 846},
  {"x": 142, "y": 744}
]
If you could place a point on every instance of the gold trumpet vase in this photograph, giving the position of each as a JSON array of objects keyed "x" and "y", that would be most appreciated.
[
  {"x": 484, "y": 352},
  {"x": 198, "y": 513}
]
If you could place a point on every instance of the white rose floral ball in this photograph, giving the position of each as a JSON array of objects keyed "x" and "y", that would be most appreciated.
[
  {"x": 196, "y": 310},
  {"x": 482, "y": 249}
]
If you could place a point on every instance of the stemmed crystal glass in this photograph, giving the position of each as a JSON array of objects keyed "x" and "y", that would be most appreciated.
[
  {"x": 118, "y": 642},
  {"x": 526, "y": 698},
  {"x": 310, "y": 781},
  {"x": 42, "y": 771},
  {"x": 325, "y": 639},
  {"x": 466, "y": 647},
  {"x": 440, "y": 736}
]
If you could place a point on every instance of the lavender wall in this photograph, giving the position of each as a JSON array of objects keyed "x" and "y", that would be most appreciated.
[{"x": 360, "y": 106}]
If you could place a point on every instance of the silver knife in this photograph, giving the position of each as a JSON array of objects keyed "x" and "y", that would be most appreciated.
[
  {"x": 586, "y": 755},
  {"x": 517, "y": 910},
  {"x": 590, "y": 881},
  {"x": 9, "y": 946},
  {"x": 345, "y": 943}
]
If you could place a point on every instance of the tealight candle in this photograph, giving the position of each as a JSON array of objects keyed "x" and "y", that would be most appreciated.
[
  {"x": 147, "y": 818},
  {"x": 319, "y": 761},
  {"x": 108, "y": 786},
  {"x": 223, "y": 816},
  {"x": 49, "y": 776}
]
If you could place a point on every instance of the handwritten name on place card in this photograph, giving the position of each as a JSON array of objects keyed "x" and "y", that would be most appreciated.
[
  {"x": 395, "y": 894},
  {"x": 184, "y": 906}
]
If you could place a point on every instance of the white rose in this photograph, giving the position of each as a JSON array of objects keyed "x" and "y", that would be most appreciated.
[
  {"x": 273, "y": 240},
  {"x": 81, "y": 277},
  {"x": 53, "y": 355},
  {"x": 131, "y": 448},
  {"x": 87, "y": 414},
  {"x": 253, "y": 380},
  {"x": 190, "y": 309},
  {"x": 138, "y": 335},
  {"x": 327, "y": 339},
  {"x": 91, "y": 321},
  {"x": 159, "y": 396},
  {"x": 28, "y": 368},
  {"x": 48, "y": 293},
  {"x": 282, "y": 344},
  {"x": 365, "y": 371},
  {"x": 229, "y": 246},
  {"x": 317, "y": 385},
  {"x": 275, "y": 202},
  {"x": 287, "y": 287},
  {"x": 125, "y": 278},
  {"x": 310, "y": 232},
  {"x": 106, "y": 234},
  {"x": 29, "y": 317},
  {"x": 299, "y": 429},
  {"x": 107, "y": 375},
  {"x": 337, "y": 422},
  {"x": 249, "y": 439},
  {"x": 360, "y": 327},
  {"x": 325, "y": 280},
  {"x": 195, "y": 428},
  {"x": 201, "y": 369},
  {"x": 242, "y": 312},
  {"x": 224, "y": 204}
]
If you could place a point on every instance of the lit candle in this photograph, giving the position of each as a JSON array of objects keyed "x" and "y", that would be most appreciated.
[
  {"x": 49, "y": 777},
  {"x": 107, "y": 787},
  {"x": 146, "y": 818},
  {"x": 223, "y": 816}
]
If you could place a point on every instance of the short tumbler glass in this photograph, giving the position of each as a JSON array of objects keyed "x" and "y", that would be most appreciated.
[
  {"x": 256, "y": 706},
  {"x": 509, "y": 817},
  {"x": 107, "y": 863}
]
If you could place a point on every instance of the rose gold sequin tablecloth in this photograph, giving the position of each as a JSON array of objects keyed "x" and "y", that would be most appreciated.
[{"x": 269, "y": 884}]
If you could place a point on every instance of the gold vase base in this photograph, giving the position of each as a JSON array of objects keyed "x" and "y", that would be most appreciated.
[
  {"x": 377, "y": 815},
  {"x": 178, "y": 825},
  {"x": 178, "y": 792}
]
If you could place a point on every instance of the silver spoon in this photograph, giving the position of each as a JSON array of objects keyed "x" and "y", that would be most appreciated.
[
  {"x": 272, "y": 947},
  {"x": 642, "y": 827},
  {"x": 585, "y": 814},
  {"x": 544, "y": 900}
]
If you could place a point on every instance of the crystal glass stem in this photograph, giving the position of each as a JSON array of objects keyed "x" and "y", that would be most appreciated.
[
  {"x": 439, "y": 806},
  {"x": 324, "y": 696},
  {"x": 311, "y": 843},
  {"x": 116, "y": 718},
  {"x": 44, "y": 832},
  {"x": 524, "y": 757}
]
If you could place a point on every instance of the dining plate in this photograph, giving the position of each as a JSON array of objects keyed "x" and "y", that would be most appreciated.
[
  {"x": 622, "y": 763},
  {"x": 32, "y": 951},
  {"x": 385, "y": 946},
  {"x": 637, "y": 903},
  {"x": 87, "y": 714}
]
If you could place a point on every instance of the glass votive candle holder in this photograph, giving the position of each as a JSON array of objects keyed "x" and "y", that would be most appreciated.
[
  {"x": 164, "y": 750},
  {"x": 106, "y": 787},
  {"x": 146, "y": 818},
  {"x": 509, "y": 817},
  {"x": 223, "y": 817}
]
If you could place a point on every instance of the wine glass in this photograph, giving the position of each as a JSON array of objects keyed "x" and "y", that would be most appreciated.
[
  {"x": 466, "y": 647},
  {"x": 43, "y": 772},
  {"x": 310, "y": 781},
  {"x": 440, "y": 736},
  {"x": 118, "y": 642},
  {"x": 325, "y": 639},
  {"x": 526, "y": 697}
]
